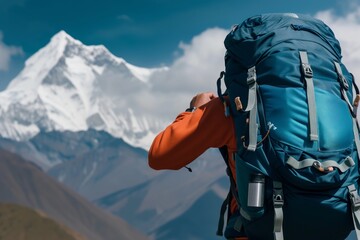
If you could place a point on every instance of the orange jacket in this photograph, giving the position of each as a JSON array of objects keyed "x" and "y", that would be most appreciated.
[{"x": 190, "y": 135}]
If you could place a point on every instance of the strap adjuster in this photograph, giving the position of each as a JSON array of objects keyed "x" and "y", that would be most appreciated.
[
  {"x": 344, "y": 83},
  {"x": 278, "y": 199},
  {"x": 307, "y": 70},
  {"x": 251, "y": 78},
  {"x": 278, "y": 195},
  {"x": 354, "y": 196}
]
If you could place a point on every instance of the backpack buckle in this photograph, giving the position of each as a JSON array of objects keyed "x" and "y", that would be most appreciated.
[
  {"x": 344, "y": 83},
  {"x": 251, "y": 78},
  {"x": 354, "y": 196},
  {"x": 278, "y": 195},
  {"x": 278, "y": 200},
  {"x": 307, "y": 71}
]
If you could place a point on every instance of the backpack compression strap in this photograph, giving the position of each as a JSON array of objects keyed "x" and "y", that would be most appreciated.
[
  {"x": 278, "y": 198},
  {"x": 355, "y": 207},
  {"x": 324, "y": 166},
  {"x": 354, "y": 197},
  {"x": 357, "y": 98},
  {"x": 310, "y": 91},
  {"x": 252, "y": 107},
  {"x": 344, "y": 86}
]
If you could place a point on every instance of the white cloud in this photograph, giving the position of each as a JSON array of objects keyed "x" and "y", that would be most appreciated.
[
  {"x": 347, "y": 30},
  {"x": 198, "y": 66},
  {"x": 6, "y": 53},
  {"x": 196, "y": 70}
]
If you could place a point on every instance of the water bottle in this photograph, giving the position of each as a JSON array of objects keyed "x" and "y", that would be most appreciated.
[{"x": 256, "y": 190}]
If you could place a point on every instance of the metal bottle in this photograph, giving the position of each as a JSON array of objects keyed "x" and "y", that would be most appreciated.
[{"x": 256, "y": 190}]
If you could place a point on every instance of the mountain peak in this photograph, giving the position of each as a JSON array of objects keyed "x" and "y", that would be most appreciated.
[
  {"x": 61, "y": 38},
  {"x": 39, "y": 64},
  {"x": 62, "y": 34},
  {"x": 69, "y": 86}
]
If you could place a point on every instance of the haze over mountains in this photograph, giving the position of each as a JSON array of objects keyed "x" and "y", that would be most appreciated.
[
  {"x": 69, "y": 112},
  {"x": 25, "y": 184}
]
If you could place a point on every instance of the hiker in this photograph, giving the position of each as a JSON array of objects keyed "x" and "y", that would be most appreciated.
[
  {"x": 190, "y": 135},
  {"x": 289, "y": 125}
]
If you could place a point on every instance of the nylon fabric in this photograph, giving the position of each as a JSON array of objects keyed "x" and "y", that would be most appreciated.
[{"x": 304, "y": 113}]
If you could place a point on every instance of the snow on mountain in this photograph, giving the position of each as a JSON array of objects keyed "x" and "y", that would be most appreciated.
[{"x": 67, "y": 85}]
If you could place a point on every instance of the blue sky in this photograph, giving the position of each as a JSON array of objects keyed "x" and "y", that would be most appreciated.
[{"x": 145, "y": 33}]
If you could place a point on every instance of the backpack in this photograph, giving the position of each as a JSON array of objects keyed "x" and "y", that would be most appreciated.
[{"x": 291, "y": 99}]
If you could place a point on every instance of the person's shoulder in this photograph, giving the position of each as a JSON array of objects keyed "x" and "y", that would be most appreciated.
[
  {"x": 216, "y": 110},
  {"x": 215, "y": 103}
]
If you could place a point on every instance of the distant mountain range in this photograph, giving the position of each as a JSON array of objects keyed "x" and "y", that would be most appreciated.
[
  {"x": 24, "y": 183},
  {"x": 69, "y": 113},
  {"x": 115, "y": 176}
]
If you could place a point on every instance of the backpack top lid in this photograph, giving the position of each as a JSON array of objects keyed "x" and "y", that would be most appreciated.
[{"x": 248, "y": 41}]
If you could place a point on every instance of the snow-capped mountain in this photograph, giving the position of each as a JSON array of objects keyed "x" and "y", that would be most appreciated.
[
  {"x": 67, "y": 85},
  {"x": 67, "y": 112}
]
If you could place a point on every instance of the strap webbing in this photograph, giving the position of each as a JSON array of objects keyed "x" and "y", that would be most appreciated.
[
  {"x": 355, "y": 207},
  {"x": 357, "y": 98},
  {"x": 223, "y": 208},
  {"x": 232, "y": 192},
  {"x": 238, "y": 225},
  {"x": 252, "y": 107},
  {"x": 245, "y": 215},
  {"x": 221, "y": 94},
  {"x": 344, "y": 87},
  {"x": 309, "y": 162},
  {"x": 356, "y": 135},
  {"x": 278, "y": 198},
  {"x": 310, "y": 91},
  {"x": 253, "y": 129},
  {"x": 251, "y": 81}
]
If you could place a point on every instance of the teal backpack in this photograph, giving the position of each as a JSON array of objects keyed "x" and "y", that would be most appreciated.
[{"x": 291, "y": 99}]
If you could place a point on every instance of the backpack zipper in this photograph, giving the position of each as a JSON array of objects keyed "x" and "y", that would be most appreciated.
[{"x": 302, "y": 28}]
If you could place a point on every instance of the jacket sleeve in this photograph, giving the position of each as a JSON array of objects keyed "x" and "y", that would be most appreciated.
[{"x": 190, "y": 135}]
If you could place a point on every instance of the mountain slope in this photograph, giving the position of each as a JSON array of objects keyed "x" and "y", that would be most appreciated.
[
  {"x": 168, "y": 195},
  {"x": 25, "y": 184},
  {"x": 102, "y": 164},
  {"x": 93, "y": 163},
  {"x": 116, "y": 177},
  {"x": 18, "y": 222},
  {"x": 67, "y": 85},
  {"x": 198, "y": 222}
]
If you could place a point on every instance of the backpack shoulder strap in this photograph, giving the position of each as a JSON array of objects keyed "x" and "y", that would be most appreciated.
[
  {"x": 221, "y": 94},
  {"x": 232, "y": 193}
]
